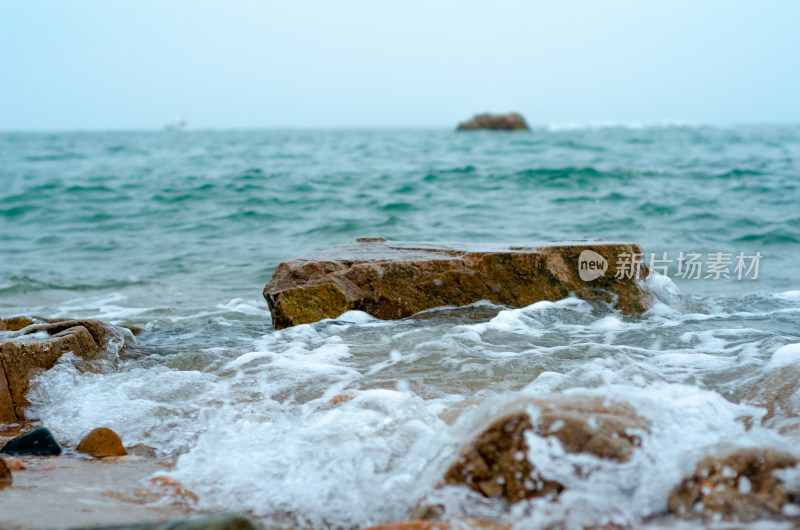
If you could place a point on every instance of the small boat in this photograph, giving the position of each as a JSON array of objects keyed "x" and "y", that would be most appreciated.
[{"x": 178, "y": 124}]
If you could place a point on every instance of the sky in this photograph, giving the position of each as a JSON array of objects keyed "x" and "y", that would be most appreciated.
[{"x": 102, "y": 64}]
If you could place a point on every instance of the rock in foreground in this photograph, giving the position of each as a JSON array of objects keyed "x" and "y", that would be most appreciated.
[
  {"x": 38, "y": 442},
  {"x": 740, "y": 486},
  {"x": 36, "y": 347},
  {"x": 495, "y": 122},
  {"x": 391, "y": 279},
  {"x": 496, "y": 464},
  {"x": 102, "y": 442},
  {"x": 217, "y": 521}
]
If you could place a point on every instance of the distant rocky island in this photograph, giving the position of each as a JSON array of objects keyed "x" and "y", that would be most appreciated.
[{"x": 495, "y": 122}]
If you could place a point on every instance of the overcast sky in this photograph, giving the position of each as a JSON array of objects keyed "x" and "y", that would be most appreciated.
[{"x": 100, "y": 64}]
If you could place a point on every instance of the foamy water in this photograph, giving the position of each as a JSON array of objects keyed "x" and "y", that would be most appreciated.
[
  {"x": 353, "y": 421},
  {"x": 256, "y": 427}
]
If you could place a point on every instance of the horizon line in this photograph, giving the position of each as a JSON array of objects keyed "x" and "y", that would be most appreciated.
[{"x": 552, "y": 126}]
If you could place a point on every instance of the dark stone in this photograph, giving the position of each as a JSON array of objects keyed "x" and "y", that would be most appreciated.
[
  {"x": 217, "y": 521},
  {"x": 38, "y": 442}
]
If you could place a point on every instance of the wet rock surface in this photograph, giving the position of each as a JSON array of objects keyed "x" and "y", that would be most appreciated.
[
  {"x": 460, "y": 524},
  {"x": 145, "y": 451},
  {"x": 19, "y": 322},
  {"x": 741, "y": 485},
  {"x": 779, "y": 392},
  {"x": 391, "y": 280},
  {"x": 101, "y": 443},
  {"x": 35, "y": 346},
  {"x": 496, "y": 463},
  {"x": 14, "y": 464},
  {"x": 38, "y": 442},
  {"x": 68, "y": 492},
  {"x": 497, "y": 122},
  {"x": 5, "y": 474},
  {"x": 218, "y": 521}
]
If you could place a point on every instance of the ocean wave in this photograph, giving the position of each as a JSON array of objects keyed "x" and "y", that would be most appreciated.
[
  {"x": 634, "y": 125},
  {"x": 772, "y": 237}
]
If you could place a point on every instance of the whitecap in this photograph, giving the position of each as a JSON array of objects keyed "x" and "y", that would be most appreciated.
[{"x": 784, "y": 356}]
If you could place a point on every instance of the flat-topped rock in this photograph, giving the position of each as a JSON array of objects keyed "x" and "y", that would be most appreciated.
[
  {"x": 37, "y": 347},
  {"x": 495, "y": 122},
  {"x": 393, "y": 279}
]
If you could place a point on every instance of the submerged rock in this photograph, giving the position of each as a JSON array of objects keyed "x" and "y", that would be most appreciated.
[
  {"x": 145, "y": 451},
  {"x": 392, "y": 279},
  {"x": 497, "y": 122},
  {"x": 136, "y": 330},
  {"x": 36, "y": 347},
  {"x": 38, "y": 442},
  {"x": 741, "y": 485},
  {"x": 496, "y": 463},
  {"x": 5, "y": 474},
  {"x": 174, "y": 487},
  {"x": 14, "y": 464},
  {"x": 19, "y": 322},
  {"x": 460, "y": 524},
  {"x": 412, "y": 525},
  {"x": 217, "y": 521},
  {"x": 778, "y": 391},
  {"x": 102, "y": 442}
]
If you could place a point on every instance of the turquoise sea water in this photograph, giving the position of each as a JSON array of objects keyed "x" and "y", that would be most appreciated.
[{"x": 179, "y": 233}]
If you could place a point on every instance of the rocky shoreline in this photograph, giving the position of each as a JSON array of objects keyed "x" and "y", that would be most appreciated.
[{"x": 389, "y": 280}]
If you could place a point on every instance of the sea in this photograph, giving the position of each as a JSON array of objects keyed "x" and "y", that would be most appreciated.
[{"x": 178, "y": 233}]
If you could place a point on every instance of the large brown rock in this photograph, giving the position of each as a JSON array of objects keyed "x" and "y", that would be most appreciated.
[
  {"x": 102, "y": 442},
  {"x": 497, "y": 122},
  {"x": 496, "y": 463},
  {"x": 392, "y": 279},
  {"x": 38, "y": 347},
  {"x": 740, "y": 485}
]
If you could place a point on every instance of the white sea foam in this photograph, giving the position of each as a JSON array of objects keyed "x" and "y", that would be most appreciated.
[
  {"x": 792, "y": 296},
  {"x": 107, "y": 307},
  {"x": 785, "y": 356},
  {"x": 258, "y": 429},
  {"x": 256, "y": 308},
  {"x": 150, "y": 406},
  {"x": 356, "y": 317},
  {"x": 573, "y": 126}
]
